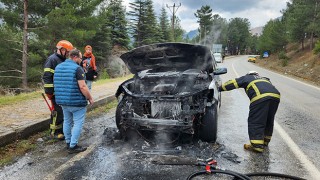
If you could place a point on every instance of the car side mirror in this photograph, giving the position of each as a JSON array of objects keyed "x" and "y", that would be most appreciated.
[{"x": 220, "y": 70}]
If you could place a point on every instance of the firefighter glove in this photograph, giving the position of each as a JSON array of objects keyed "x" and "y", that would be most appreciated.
[{"x": 50, "y": 96}]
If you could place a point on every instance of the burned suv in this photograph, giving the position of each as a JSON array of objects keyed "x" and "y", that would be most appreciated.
[{"x": 174, "y": 89}]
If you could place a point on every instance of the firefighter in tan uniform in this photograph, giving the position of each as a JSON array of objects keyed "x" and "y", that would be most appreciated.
[{"x": 264, "y": 101}]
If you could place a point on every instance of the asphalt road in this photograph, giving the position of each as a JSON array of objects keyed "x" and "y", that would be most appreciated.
[{"x": 293, "y": 149}]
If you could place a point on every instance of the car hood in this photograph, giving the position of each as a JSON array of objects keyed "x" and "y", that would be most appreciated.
[{"x": 168, "y": 57}]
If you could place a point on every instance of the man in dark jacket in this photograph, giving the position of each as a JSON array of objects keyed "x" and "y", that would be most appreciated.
[
  {"x": 63, "y": 48},
  {"x": 264, "y": 101}
]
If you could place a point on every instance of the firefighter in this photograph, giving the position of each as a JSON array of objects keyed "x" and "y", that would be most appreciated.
[
  {"x": 264, "y": 101},
  {"x": 59, "y": 56}
]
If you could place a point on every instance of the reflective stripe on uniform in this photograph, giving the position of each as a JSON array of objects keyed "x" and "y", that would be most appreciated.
[
  {"x": 256, "y": 141},
  {"x": 48, "y": 70},
  {"x": 258, "y": 94},
  {"x": 233, "y": 81},
  {"x": 265, "y": 95},
  {"x": 48, "y": 85},
  {"x": 258, "y": 149},
  {"x": 267, "y": 137},
  {"x": 253, "y": 83},
  {"x": 55, "y": 127}
]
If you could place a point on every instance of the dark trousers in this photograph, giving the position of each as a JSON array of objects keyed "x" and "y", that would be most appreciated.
[
  {"x": 56, "y": 127},
  {"x": 261, "y": 119}
]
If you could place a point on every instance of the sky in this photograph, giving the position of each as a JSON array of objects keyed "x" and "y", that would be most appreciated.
[{"x": 258, "y": 12}]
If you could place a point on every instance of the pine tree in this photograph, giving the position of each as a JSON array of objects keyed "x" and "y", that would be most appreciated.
[
  {"x": 178, "y": 31},
  {"x": 204, "y": 16},
  {"x": 117, "y": 23},
  {"x": 143, "y": 23},
  {"x": 238, "y": 34},
  {"x": 151, "y": 28},
  {"x": 165, "y": 31},
  {"x": 136, "y": 24}
]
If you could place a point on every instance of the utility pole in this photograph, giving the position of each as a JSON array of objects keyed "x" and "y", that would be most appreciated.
[
  {"x": 25, "y": 45},
  {"x": 173, "y": 15}
]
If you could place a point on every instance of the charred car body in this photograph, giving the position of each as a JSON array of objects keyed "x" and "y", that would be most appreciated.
[{"x": 174, "y": 89}]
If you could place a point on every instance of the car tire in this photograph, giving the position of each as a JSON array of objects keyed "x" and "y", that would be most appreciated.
[
  {"x": 118, "y": 114},
  {"x": 209, "y": 125},
  {"x": 127, "y": 134}
]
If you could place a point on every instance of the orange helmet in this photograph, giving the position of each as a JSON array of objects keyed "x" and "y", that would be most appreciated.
[{"x": 65, "y": 44}]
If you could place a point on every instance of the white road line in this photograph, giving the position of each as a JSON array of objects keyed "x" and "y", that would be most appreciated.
[{"x": 306, "y": 163}]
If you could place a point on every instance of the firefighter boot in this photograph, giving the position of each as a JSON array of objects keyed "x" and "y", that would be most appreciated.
[
  {"x": 255, "y": 146},
  {"x": 59, "y": 136},
  {"x": 267, "y": 139}
]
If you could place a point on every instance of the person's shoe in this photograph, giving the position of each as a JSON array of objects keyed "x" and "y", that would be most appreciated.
[
  {"x": 59, "y": 137},
  {"x": 76, "y": 149},
  {"x": 68, "y": 146},
  {"x": 249, "y": 147}
]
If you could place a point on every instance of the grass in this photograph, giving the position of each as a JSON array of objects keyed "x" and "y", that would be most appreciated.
[
  {"x": 12, "y": 99},
  {"x": 103, "y": 109},
  {"x": 10, "y": 152}
]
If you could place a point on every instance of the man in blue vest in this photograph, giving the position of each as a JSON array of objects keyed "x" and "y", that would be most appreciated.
[
  {"x": 72, "y": 94},
  {"x": 264, "y": 101}
]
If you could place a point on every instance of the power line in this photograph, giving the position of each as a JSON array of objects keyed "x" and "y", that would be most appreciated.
[{"x": 173, "y": 15}]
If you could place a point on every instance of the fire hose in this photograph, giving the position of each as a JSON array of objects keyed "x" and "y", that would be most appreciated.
[{"x": 212, "y": 168}]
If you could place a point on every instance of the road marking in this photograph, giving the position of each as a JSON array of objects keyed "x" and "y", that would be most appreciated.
[{"x": 306, "y": 163}]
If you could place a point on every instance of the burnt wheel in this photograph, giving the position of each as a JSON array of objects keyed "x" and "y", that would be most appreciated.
[
  {"x": 209, "y": 125},
  {"x": 119, "y": 113},
  {"x": 126, "y": 133}
]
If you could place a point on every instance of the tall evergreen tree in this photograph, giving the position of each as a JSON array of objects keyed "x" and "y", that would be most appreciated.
[
  {"x": 151, "y": 26},
  {"x": 238, "y": 35},
  {"x": 165, "y": 31},
  {"x": 178, "y": 31},
  {"x": 273, "y": 38},
  {"x": 204, "y": 16},
  {"x": 219, "y": 29},
  {"x": 136, "y": 23},
  {"x": 298, "y": 16},
  {"x": 48, "y": 22},
  {"x": 143, "y": 23},
  {"x": 117, "y": 23}
]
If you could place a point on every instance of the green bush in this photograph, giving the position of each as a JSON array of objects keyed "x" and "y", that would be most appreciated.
[
  {"x": 316, "y": 49},
  {"x": 284, "y": 62},
  {"x": 283, "y": 55},
  {"x": 104, "y": 74},
  {"x": 284, "y": 58}
]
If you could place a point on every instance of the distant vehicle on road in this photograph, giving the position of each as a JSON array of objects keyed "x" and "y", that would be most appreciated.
[
  {"x": 217, "y": 57},
  {"x": 252, "y": 59}
]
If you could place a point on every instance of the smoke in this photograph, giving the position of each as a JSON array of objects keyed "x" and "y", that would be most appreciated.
[{"x": 213, "y": 37}]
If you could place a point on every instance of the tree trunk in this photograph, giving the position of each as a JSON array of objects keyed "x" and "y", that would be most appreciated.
[
  {"x": 25, "y": 47},
  {"x": 314, "y": 20}
]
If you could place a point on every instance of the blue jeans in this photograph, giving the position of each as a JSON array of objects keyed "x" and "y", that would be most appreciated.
[
  {"x": 89, "y": 84},
  {"x": 73, "y": 122}
]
